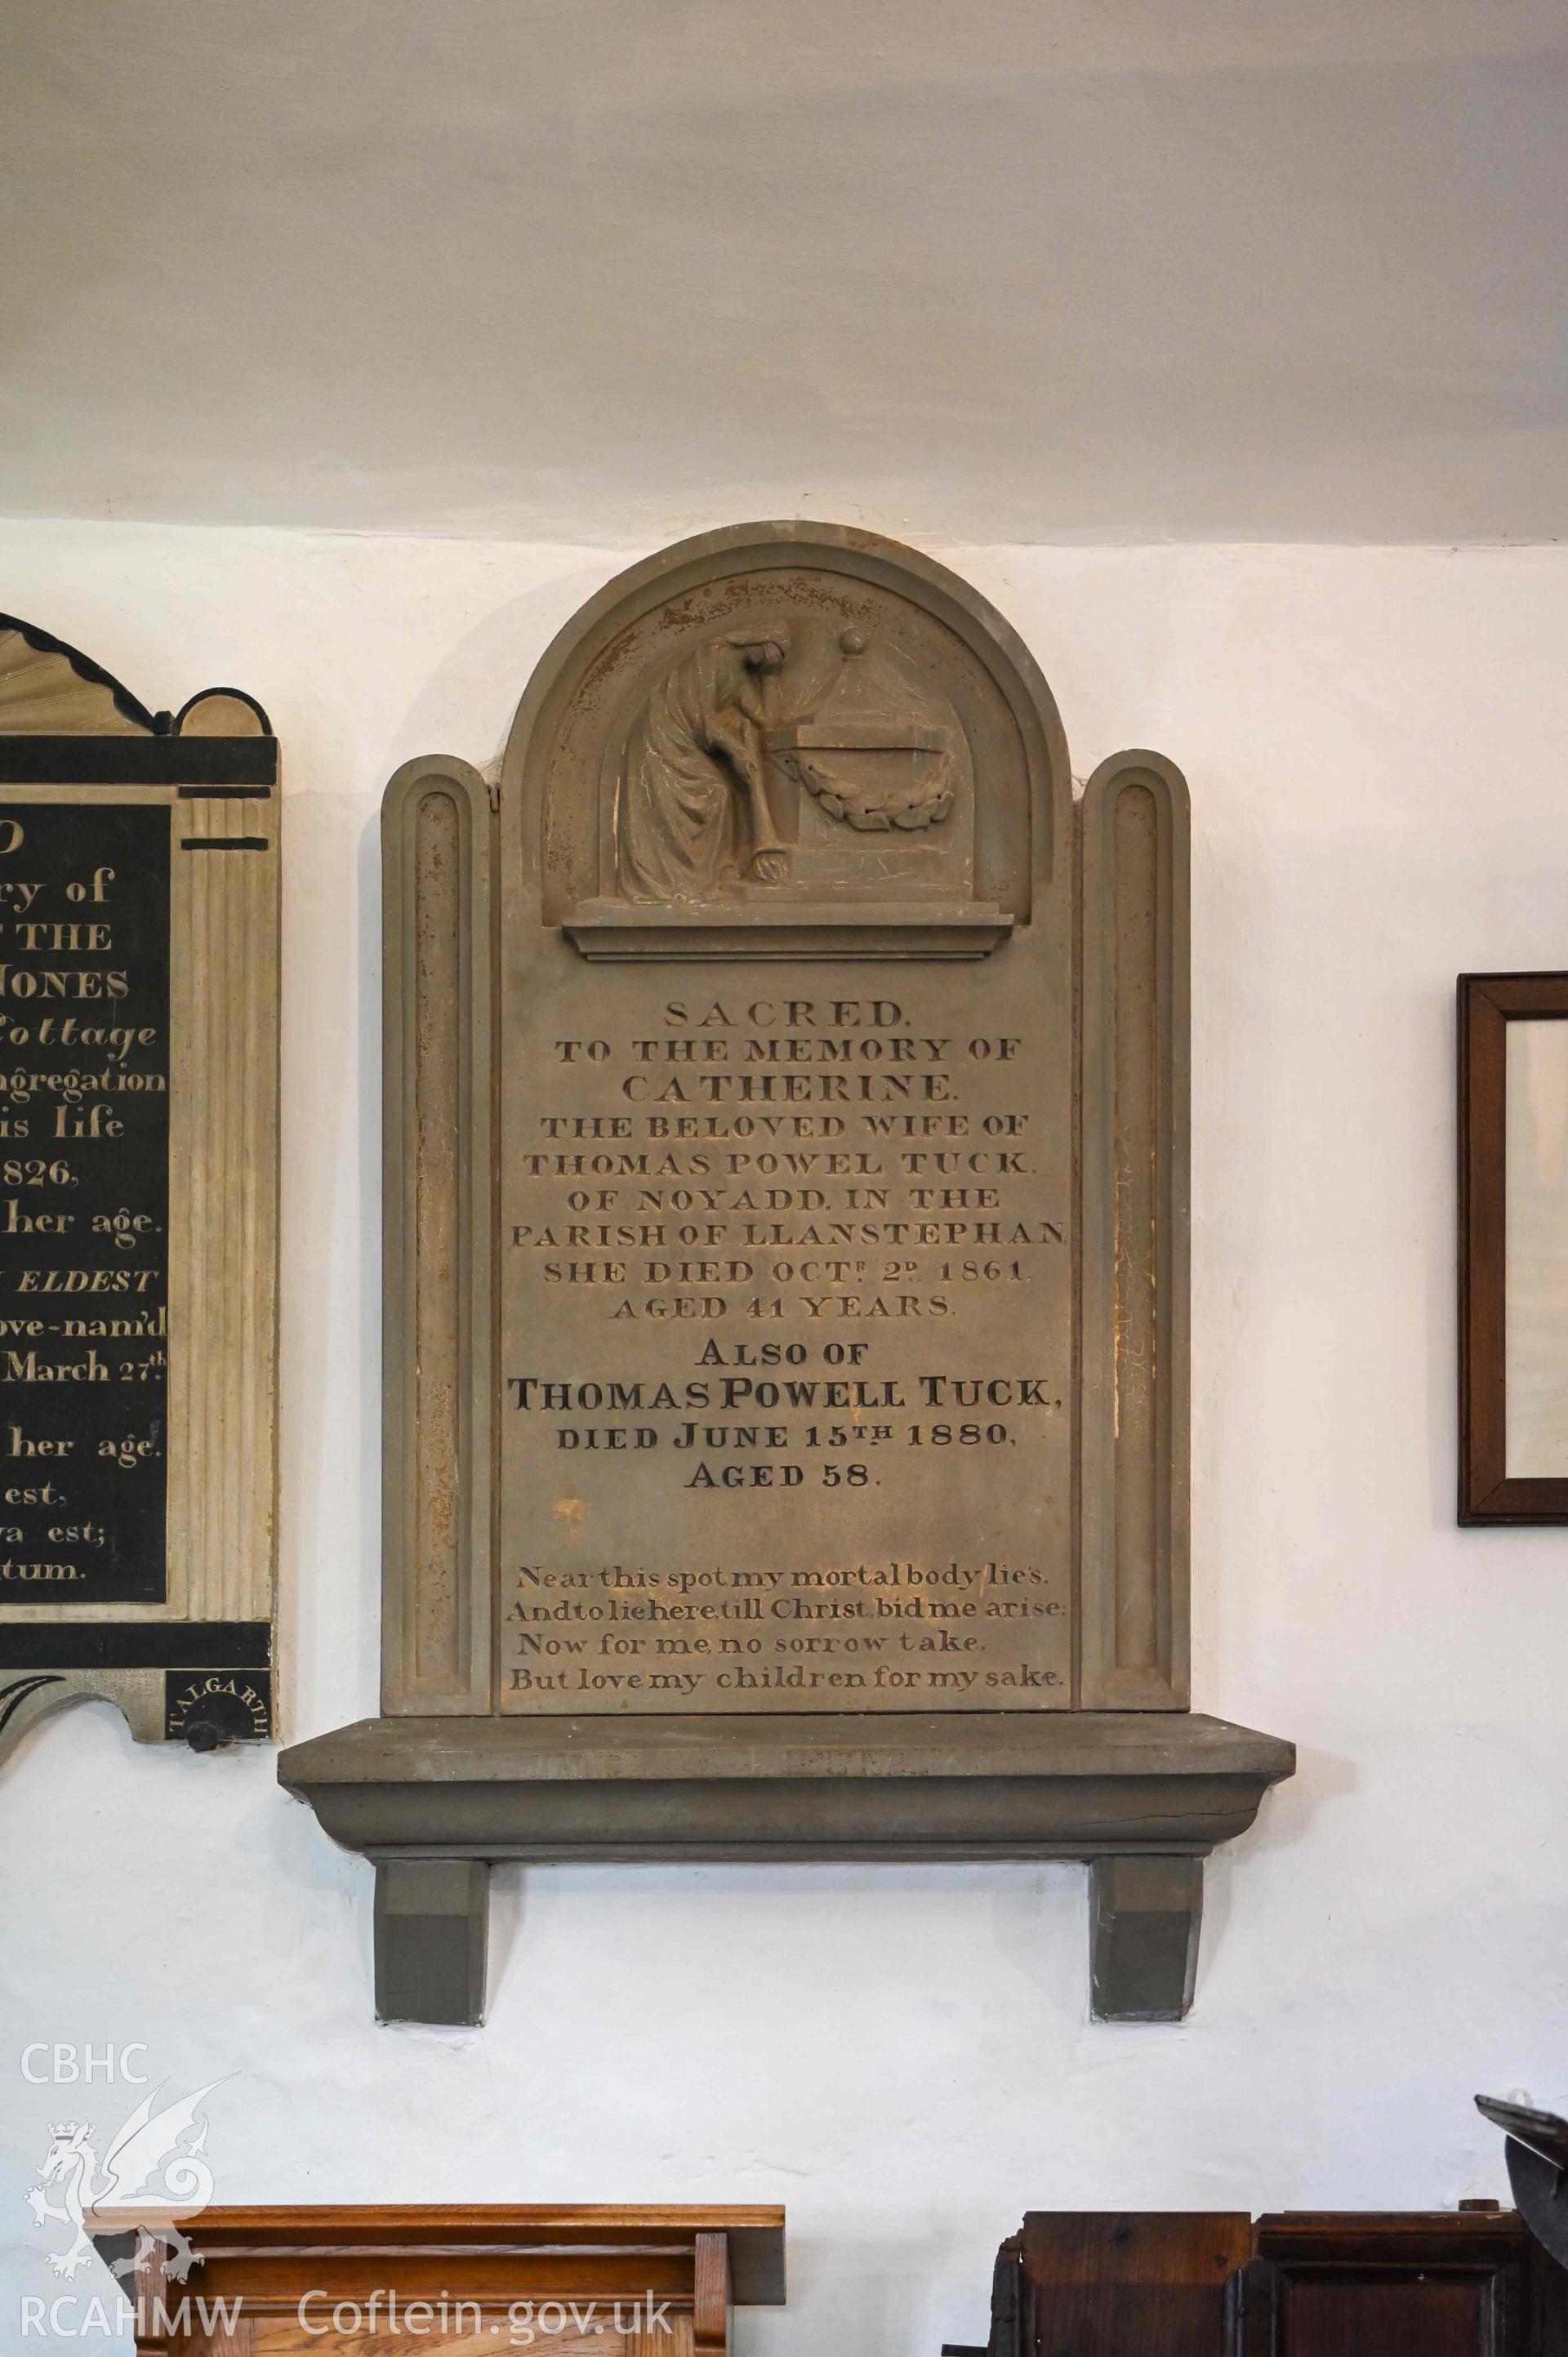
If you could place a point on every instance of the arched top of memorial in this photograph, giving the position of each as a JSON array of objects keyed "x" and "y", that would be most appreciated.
[
  {"x": 50, "y": 688},
  {"x": 787, "y": 738}
]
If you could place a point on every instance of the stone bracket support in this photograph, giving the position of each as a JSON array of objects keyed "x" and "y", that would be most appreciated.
[
  {"x": 430, "y": 1927},
  {"x": 1145, "y": 1914},
  {"x": 1140, "y": 1797},
  {"x": 432, "y": 1918}
]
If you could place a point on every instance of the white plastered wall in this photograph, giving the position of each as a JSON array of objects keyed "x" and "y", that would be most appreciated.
[{"x": 1377, "y": 743}]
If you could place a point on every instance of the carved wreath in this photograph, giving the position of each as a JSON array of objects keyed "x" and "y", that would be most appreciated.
[{"x": 875, "y": 806}]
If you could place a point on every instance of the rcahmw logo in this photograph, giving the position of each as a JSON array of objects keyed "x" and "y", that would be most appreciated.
[
  {"x": 150, "y": 2172},
  {"x": 72, "y": 2316}
]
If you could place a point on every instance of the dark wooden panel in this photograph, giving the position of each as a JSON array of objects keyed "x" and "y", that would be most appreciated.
[
  {"x": 1335, "y": 2284},
  {"x": 1103, "y": 2284},
  {"x": 1351, "y": 2316},
  {"x": 1331, "y": 2285}
]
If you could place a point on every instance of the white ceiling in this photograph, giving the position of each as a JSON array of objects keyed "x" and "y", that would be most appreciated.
[{"x": 613, "y": 269}]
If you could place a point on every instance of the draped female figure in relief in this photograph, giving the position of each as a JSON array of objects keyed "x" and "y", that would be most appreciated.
[{"x": 694, "y": 800}]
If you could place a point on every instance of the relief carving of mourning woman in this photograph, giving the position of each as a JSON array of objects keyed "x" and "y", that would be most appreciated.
[{"x": 694, "y": 805}]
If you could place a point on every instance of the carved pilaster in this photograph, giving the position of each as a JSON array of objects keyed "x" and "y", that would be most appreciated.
[
  {"x": 1135, "y": 1182},
  {"x": 438, "y": 1346},
  {"x": 223, "y": 1243}
]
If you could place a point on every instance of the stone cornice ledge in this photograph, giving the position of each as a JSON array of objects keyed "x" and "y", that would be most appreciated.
[
  {"x": 1066, "y": 1785},
  {"x": 1142, "y": 1795}
]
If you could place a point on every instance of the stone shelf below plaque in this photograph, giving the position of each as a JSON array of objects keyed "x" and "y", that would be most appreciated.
[{"x": 1143, "y": 1797}]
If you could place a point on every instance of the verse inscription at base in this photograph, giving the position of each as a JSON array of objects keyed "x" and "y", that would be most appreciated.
[{"x": 84, "y": 1148}]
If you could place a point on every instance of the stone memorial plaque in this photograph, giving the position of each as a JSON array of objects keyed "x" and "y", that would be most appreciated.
[
  {"x": 784, "y": 1247},
  {"x": 138, "y": 962},
  {"x": 784, "y": 1384}
]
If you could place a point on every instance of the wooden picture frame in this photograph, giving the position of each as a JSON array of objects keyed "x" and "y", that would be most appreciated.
[{"x": 1488, "y": 1004}]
